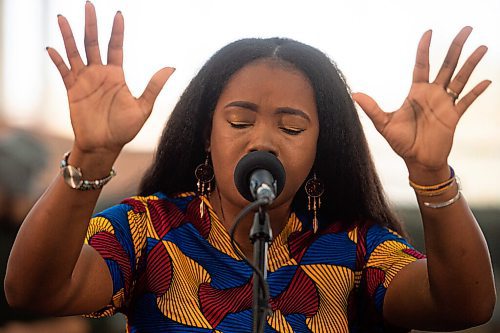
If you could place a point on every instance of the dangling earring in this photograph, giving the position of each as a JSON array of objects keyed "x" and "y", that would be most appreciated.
[
  {"x": 314, "y": 189},
  {"x": 204, "y": 175}
]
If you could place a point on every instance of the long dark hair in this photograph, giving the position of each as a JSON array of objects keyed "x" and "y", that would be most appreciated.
[{"x": 352, "y": 188}]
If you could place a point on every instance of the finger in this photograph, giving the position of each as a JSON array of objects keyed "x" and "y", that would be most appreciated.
[
  {"x": 458, "y": 83},
  {"x": 421, "y": 69},
  {"x": 451, "y": 59},
  {"x": 466, "y": 101},
  {"x": 372, "y": 110},
  {"x": 115, "y": 47},
  {"x": 75, "y": 61},
  {"x": 91, "y": 41},
  {"x": 153, "y": 88},
  {"x": 66, "y": 75}
]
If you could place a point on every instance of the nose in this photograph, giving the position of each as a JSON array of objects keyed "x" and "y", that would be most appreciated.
[{"x": 263, "y": 138}]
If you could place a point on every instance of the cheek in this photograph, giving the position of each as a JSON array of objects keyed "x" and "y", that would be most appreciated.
[
  {"x": 300, "y": 162},
  {"x": 225, "y": 153},
  {"x": 223, "y": 169}
]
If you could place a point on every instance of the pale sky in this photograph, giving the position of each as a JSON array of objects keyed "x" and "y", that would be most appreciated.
[{"x": 373, "y": 43}]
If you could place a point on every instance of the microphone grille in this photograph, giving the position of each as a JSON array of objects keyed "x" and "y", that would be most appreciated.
[{"x": 258, "y": 160}]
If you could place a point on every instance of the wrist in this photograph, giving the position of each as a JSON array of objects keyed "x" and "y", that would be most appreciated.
[
  {"x": 429, "y": 176},
  {"x": 442, "y": 193},
  {"x": 74, "y": 178},
  {"x": 93, "y": 165}
]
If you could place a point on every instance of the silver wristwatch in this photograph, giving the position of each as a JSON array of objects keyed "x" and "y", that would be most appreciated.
[{"x": 74, "y": 178}]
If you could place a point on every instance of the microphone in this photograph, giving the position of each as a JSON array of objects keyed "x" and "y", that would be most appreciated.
[{"x": 259, "y": 175}]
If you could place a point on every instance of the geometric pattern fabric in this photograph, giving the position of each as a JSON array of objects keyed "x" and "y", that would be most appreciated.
[{"x": 173, "y": 271}]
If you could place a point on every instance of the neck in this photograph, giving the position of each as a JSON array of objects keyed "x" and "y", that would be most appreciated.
[{"x": 227, "y": 212}]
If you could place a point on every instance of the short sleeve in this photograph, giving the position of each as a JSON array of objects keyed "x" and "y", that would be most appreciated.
[
  {"x": 386, "y": 253},
  {"x": 118, "y": 234}
]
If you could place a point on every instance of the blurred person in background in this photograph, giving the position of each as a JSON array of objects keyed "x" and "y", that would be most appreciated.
[{"x": 22, "y": 159}]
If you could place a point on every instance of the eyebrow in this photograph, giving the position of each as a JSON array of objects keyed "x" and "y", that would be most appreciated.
[{"x": 281, "y": 110}]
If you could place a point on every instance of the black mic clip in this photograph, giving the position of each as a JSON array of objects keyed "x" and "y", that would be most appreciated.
[{"x": 263, "y": 186}]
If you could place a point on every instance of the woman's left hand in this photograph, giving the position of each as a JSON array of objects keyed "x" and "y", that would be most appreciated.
[{"x": 421, "y": 130}]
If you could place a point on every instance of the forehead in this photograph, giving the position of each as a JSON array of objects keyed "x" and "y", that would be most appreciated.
[
  {"x": 264, "y": 66},
  {"x": 267, "y": 79}
]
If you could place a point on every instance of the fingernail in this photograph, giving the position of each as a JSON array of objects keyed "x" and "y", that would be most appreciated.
[
  {"x": 46, "y": 48},
  {"x": 119, "y": 12},
  {"x": 59, "y": 15}
]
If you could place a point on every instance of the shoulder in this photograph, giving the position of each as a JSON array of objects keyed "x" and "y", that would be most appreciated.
[
  {"x": 141, "y": 204},
  {"x": 126, "y": 227},
  {"x": 378, "y": 244},
  {"x": 373, "y": 234},
  {"x": 383, "y": 247},
  {"x": 377, "y": 234},
  {"x": 144, "y": 209}
]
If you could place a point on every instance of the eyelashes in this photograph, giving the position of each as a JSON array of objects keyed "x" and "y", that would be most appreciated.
[
  {"x": 292, "y": 130},
  {"x": 288, "y": 130},
  {"x": 239, "y": 125}
]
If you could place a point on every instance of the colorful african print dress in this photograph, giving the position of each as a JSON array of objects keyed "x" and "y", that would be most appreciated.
[{"x": 174, "y": 271}]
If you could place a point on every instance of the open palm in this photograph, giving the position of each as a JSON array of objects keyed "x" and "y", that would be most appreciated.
[
  {"x": 421, "y": 130},
  {"x": 104, "y": 114}
]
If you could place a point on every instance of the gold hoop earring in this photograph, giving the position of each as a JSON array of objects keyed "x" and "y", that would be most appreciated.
[
  {"x": 204, "y": 174},
  {"x": 314, "y": 189}
]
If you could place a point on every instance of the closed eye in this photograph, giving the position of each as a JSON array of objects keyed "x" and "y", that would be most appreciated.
[
  {"x": 239, "y": 124},
  {"x": 292, "y": 130}
]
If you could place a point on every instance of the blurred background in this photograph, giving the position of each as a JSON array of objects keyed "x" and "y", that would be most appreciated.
[{"x": 373, "y": 43}]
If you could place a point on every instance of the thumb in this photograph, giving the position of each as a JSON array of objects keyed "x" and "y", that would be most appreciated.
[
  {"x": 372, "y": 110},
  {"x": 154, "y": 87}
]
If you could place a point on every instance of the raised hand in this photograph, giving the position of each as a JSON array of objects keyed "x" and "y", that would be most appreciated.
[
  {"x": 421, "y": 130},
  {"x": 104, "y": 114}
]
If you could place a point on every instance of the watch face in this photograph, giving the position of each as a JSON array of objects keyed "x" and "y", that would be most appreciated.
[{"x": 72, "y": 176}]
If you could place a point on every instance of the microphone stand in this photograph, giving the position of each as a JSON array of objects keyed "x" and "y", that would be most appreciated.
[{"x": 261, "y": 236}]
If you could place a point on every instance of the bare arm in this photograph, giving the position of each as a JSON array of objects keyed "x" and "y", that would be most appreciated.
[
  {"x": 454, "y": 287},
  {"x": 49, "y": 269}
]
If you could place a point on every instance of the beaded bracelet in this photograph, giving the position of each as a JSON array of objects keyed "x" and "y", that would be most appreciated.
[
  {"x": 430, "y": 188},
  {"x": 433, "y": 193}
]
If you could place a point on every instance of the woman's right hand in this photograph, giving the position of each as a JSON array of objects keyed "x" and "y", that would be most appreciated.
[{"x": 104, "y": 114}]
